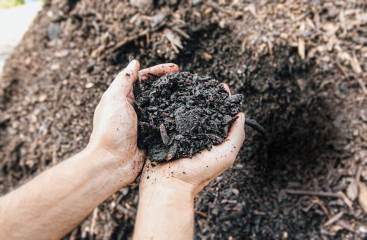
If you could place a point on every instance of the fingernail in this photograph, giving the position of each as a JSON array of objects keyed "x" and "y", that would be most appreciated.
[{"x": 243, "y": 117}]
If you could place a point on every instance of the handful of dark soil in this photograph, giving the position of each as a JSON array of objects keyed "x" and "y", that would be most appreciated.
[{"x": 181, "y": 114}]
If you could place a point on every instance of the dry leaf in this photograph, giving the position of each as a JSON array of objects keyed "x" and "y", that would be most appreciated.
[
  {"x": 362, "y": 197},
  {"x": 352, "y": 191}
]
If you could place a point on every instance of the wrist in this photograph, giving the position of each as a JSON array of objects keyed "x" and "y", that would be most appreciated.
[
  {"x": 154, "y": 185},
  {"x": 164, "y": 212},
  {"x": 103, "y": 166},
  {"x": 166, "y": 195}
]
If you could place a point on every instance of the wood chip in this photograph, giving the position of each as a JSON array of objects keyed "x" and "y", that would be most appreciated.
[
  {"x": 346, "y": 200},
  {"x": 173, "y": 38},
  {"x": 235, "y": 191},
  {"x": 333, "y": 219},
  {"x": 352, "y": 190},
  {"x": 207, "y": 56},
  {"x": 355, "y": 63},
  {"x": 43, "y": 97},
  {"x": 164, "y": 135},
  {"x": 346, "y": 225}
]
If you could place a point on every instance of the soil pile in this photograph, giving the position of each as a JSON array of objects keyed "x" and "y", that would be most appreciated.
[
  {"x": 181, "y": 114},
  {"x": 301, "y": 67}
]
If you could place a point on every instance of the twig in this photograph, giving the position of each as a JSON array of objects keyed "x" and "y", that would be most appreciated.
[
  {"x": 312, "y": 193},
  {"x": 358, "y": 175},
  {"x": 334, "y": 218},
  {"x": 331, "y": 169},
  {"x": 204, "y": 78},
  {"x": 155, "y": 75},
  {"x": 341, "y": 68},
  {"x": 252, "y": 123}
]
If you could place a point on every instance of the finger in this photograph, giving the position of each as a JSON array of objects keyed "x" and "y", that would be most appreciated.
[
  {"x": 227, "y": 88},
  {"x": 126, "y": 78},
  {"x": 161, "y": 69},
  {"x": 226, "y": 152},
  {"x": 237, "y": 132}
]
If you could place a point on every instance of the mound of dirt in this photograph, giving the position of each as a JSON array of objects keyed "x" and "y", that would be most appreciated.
[{"x": 181, "y": 114}]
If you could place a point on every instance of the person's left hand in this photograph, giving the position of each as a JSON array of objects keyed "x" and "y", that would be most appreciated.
[{"x": 115, "y": 124}]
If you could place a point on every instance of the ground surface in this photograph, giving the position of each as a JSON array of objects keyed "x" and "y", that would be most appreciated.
[{"x": 300, "y": 65}]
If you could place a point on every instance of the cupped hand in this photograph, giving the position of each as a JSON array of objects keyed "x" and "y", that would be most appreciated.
[
  {"x": 187, "y": 175},
  {"x": 115, "y": 123}
]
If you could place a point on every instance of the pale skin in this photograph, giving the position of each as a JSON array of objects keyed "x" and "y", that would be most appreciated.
[{"x": 56, "y": 201}]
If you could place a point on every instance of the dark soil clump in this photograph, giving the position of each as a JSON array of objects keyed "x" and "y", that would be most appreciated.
[{"x": 181, "y": 114}]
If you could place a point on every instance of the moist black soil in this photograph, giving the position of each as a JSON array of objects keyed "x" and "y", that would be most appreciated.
[{"x": 181, "y": 114}]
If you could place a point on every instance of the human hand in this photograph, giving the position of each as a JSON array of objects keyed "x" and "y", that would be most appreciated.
[
  {"x": 115, "y": 124},
  {"x": 187, "y": 175}
]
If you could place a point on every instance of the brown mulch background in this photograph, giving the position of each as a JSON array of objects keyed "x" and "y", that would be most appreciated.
[{"x": 301, "y": 66}]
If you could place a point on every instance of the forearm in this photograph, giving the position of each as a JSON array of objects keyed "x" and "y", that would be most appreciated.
[
  {"x": 164, "y": 214},
  {"x": 56, "y": 201}
]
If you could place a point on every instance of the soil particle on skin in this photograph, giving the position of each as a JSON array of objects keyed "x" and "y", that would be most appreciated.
[{"x": 181, "y": 114}]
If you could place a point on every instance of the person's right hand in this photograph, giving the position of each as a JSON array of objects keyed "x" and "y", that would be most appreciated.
[{"x": 191, "y": 175}]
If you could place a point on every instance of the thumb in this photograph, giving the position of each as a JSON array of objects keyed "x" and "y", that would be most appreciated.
[{"x": 126, "y": 78}]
